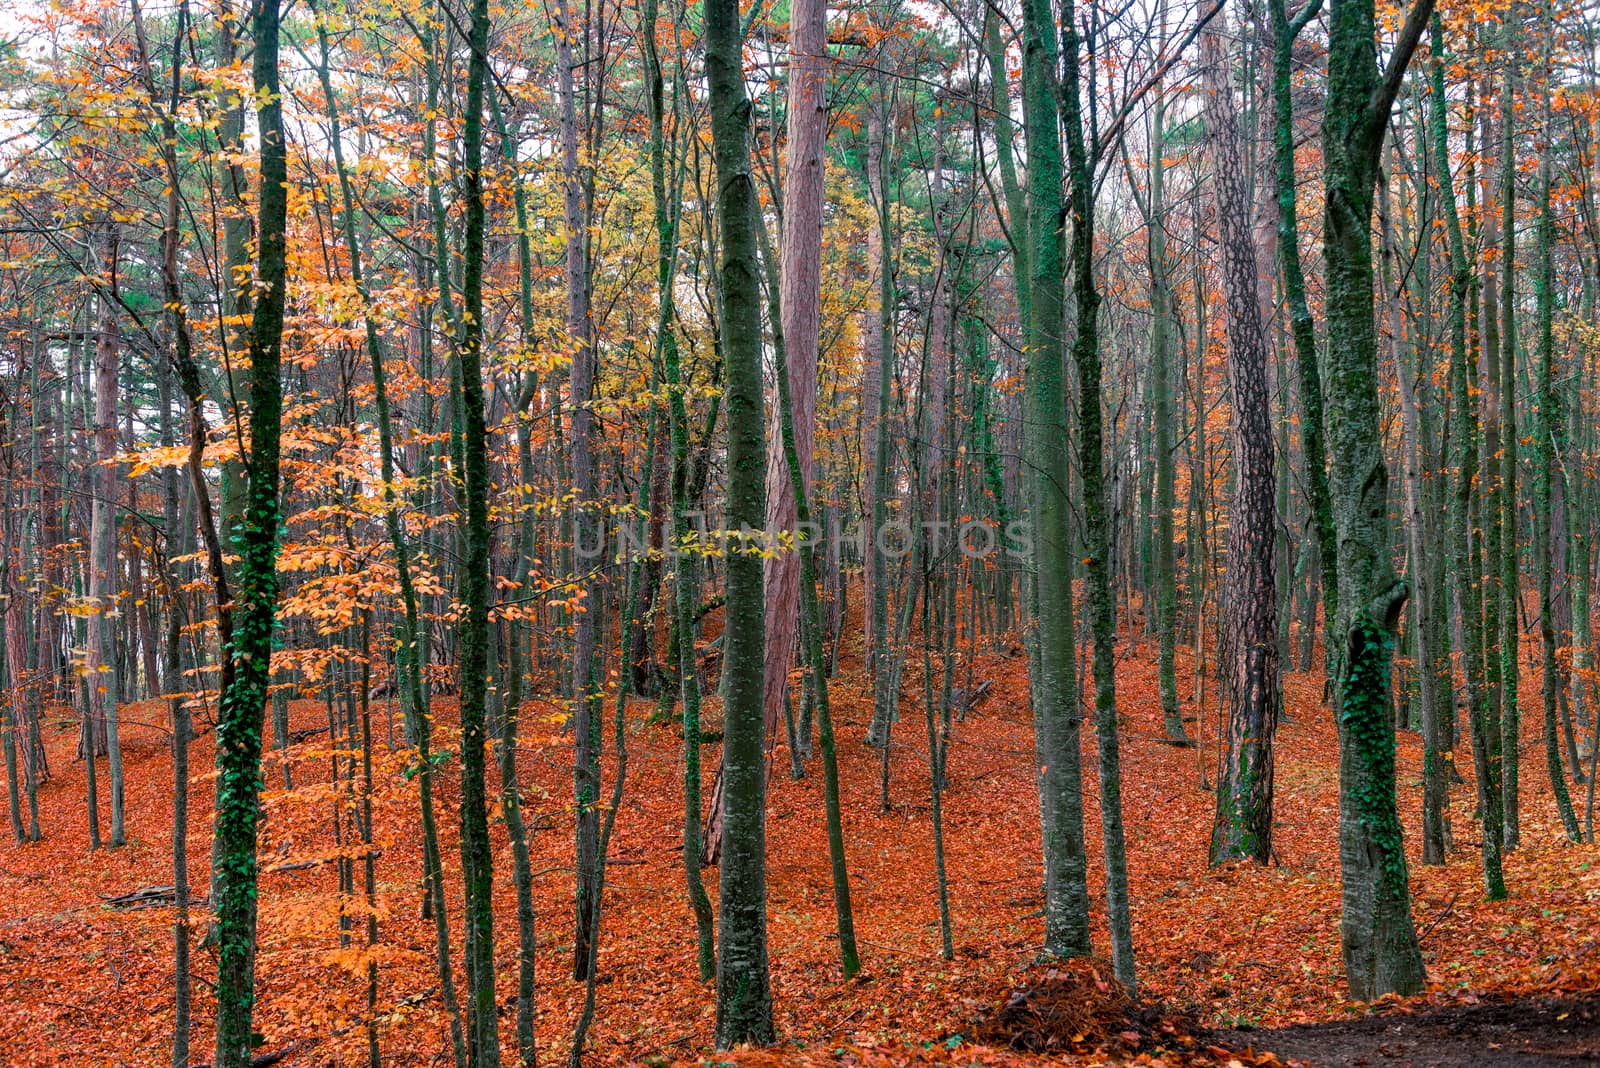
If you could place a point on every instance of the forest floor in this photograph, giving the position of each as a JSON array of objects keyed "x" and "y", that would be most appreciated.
[
  {"x": 1238, "y": 958},
  {"x": 1533, "y": 1032}
]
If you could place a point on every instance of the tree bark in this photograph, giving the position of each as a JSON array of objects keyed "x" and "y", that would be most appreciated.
[
  {"x": 1057, "y": 716},
  {"x": 244, "y": 696},
  {"x": 477, "y": 858},
  {"x": 102, "y": 679},
  {"x": 1466, "y": 579},
  {"x": 1379, "y": 938},
  {"x": 1248, "y": 650},
  {"x": 800, "y": 303},
  {"x": 744, "y": 993}
]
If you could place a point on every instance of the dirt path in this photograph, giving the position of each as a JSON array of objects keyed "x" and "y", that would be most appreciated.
[{"x": 1528, "y": 1033}]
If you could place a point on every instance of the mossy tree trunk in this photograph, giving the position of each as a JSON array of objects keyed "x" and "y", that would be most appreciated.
[
  {"x": 1510, "y": 572},
  {"x": 1083, "y": 155},
  {"x": 249, "y": 651},
  {"x": 1057, "y": 715},
  {"x": 1551, "y": 439},
  {"x": 744, "y": 992},
  {"x": 1379, "y": 938},
  {"x": 477, "y": 857},
  {"x": 1302, "y": 326},
  {"x": 1466, "y": 579}
]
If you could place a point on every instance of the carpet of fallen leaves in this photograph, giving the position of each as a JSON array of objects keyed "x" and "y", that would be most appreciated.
[{"x": 83, "y": 983}]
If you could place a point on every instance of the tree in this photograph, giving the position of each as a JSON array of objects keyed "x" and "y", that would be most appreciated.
[
  {"x": 1166, "y": 578},
  {"x": 1467, "y": 584},
  {"x": 1053, "y": 682},
  {"x": 685, "y": 573},
  {"x": 1083, "y": 154},
  {"x": 1551, "y": 436},
  {"x": 1249, "y": 635},
  {"x": 477, "y": 860},
  {"x": 800, "y": 278},
  {"x": 1379, "y": 939},
  {"x": 249, "y": 651},
  {"x": 100, "y": 666},
  {"x": 1506, "y": 368},
  {"x": 744, "y": 994},
  {"x": 1302, "y": 326},
  {"x": 586, "y": 525}
]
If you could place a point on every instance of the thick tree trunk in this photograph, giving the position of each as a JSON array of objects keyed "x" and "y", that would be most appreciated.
[
  {"x": 744, "y": 992},
  {"x": 1249, "y": 637},
  {"x": 1379, "y": 938},
  {"x": 800, "y": 304},
  {"x": 1054, "y": 679}
]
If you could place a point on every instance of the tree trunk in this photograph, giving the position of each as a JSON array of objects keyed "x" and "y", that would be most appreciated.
[
  {"x": 1083, "y": 151},
  {"x": 1302, "y": 326},
  {"x": 1165, "y": 578},
  {"x": 1467, "y": 579},
  {"x": 1420, "y": 540},
  {"x": 800, "y": 304},
  {"x": 1248, "y": 653},
  {"x": 744, "y": 993},
  {"x": 1551, "y": 438},
  {"x": 1510, "y": 573},
  {"x": 1379, "y": 938},
  {"x": 586, "y": 527},
  {"x": 1053, "y": 680},
  {"x": 477, "y": 858},
  {"x": 244, "y": 695},
  {"x": 101, "y": 665}
]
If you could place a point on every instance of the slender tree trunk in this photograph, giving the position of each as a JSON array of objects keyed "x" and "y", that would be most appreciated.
[
  {"x": 1510, "y": 573},
  {"x": 1082, "y": 154},
  {"x": 1165, "y": 578},
  {"x": 586, "y": 526},
  {"x": 1467, "y": 577},
  {"x": 1551, "y": 437},
  {"x": 411, "y": 650},
  {"x": 1302, "y": 326},
  {"x": 883, "y": 654},
  {"x": 101, "y": 666},
  {"x": 685, "y": 574},
  {"x": 244, "y": 694},
  {"x": 169, "y": 578},
  {"x": 519, "y": 639},
  {"x": 1421, "y": 537},
  {"x": 811, "y": 634},
  {"x": 477, "y": 866}
]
